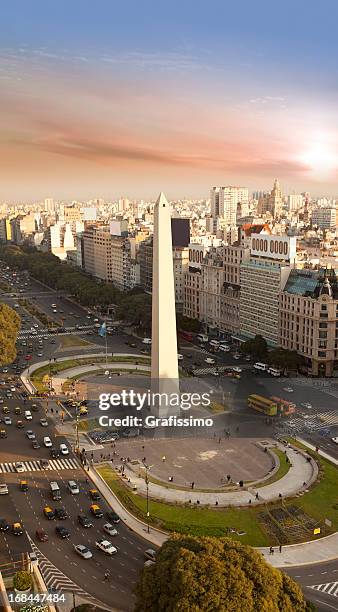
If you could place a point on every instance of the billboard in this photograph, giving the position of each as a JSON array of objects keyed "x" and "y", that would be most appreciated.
[
  {"x": 196, "y": 255},
  {"x": 180, "y": 231},
  {"x": 273, "y": 247}
]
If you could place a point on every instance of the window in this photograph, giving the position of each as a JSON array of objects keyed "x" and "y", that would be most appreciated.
[{"x": 324, "y": 307}]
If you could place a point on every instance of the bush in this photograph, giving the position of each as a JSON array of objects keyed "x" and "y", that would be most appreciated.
[{"x": 22, "y": 581}]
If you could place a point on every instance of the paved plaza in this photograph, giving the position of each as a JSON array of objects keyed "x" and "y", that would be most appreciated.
[{"x": 205, "y": 462}]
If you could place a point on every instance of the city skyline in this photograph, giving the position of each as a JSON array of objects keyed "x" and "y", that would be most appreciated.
[{"x": 107, "y": 103}]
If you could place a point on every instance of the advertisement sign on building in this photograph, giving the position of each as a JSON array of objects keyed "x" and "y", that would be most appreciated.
[
  {"x": 196, "y": 255},
  {"x": 273, "y": 247}
]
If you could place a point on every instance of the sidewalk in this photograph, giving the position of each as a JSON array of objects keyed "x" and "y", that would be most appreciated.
[
  {"x": 306, "y": 553},
  {"x": 301, "y": 471}
]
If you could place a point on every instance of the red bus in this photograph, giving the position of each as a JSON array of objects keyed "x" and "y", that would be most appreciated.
[{"x": 186, "y": 335}]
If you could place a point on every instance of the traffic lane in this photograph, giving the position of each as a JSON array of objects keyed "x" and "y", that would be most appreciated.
[
  {"x": 323, "y": 601},
  {"x": 17, "y": 447},
  {"x": 317, "y": 573},
  {"x": 11, "y": 546},
  {"x": 124, "y": 567}
]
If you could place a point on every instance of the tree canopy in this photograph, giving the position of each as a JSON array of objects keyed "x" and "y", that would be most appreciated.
[
  {"x": 256, "y": 347},
  {"x": 285, "y": 359},
  {"x": 204, "y": 574},
  {"x": 9, "y": 326}
]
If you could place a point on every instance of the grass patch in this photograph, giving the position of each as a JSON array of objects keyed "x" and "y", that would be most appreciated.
[
  {"x": 70, "y": 340},
  {"x": 88, "y": 425},
  {"x": 216, "y": 408},
  {"x": 282, "y": 470},
  {"x": 38, "y": 375},
  {"x": 189, "y": 520}
]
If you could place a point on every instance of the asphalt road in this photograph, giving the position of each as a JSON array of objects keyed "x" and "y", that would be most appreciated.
[{"x": 126, "y": 564}]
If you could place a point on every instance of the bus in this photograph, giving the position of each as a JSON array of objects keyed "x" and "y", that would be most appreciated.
[
  {"x": 274, "y": 372},
  {"x": 261, "y": 366},
  {"x": 186, "y": 335},
  {"x": 284, "y": 407},
  {"x": 262, "y": 404}
]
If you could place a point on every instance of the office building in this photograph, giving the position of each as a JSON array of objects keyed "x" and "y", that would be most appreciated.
[
  {"x": 230, "y": 203},
  {"x": 325, "y": 218}
]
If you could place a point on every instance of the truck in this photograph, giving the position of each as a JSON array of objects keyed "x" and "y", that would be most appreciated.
[
  {"x": 262, "y": 404},
  {"x": 186, "y": 335}
]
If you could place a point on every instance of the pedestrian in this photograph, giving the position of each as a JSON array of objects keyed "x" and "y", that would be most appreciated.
[
  {"x": 219, "y": 440},
  {"x": 257, "y": 496},
  {"x": 272, "y": 550},
  {"x": 192, "y": 485},
  {"x": 280, "y": 548},
  {"x": 86, "y": 480},
  {"x": 106, "y": 575}
]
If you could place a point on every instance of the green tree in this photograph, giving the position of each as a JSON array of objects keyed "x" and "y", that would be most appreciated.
[
  {"x": 204, "y": 574},
  {"x": 9, "y": 326},
  {"x": 285, "y": 359},
  {"x": 256, "y": 347},
  {"x": 186, "y": 324}
]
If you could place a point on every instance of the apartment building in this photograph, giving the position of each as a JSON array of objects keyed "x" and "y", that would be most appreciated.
[
  {"x": 325, "y": 218},
  {"x": 308, "y": 319},
  {"x": 212, "y": 280},
  {"x": 229, "y": 202}
]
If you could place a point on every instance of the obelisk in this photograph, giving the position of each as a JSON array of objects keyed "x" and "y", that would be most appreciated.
[{"x": 164, "y": 363}]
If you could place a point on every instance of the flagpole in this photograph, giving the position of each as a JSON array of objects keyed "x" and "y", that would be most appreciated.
[{"x": 105, "y": 337}]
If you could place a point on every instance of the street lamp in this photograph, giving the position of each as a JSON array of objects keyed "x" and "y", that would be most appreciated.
[{"x": 147, "y": 468}]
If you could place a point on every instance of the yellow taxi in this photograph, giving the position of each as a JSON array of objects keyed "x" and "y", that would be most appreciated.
[
  {"x": 94, "y": 494},
  {"x": 96, "y": 511},
  {"x": 17, "y": 529},
  {"x": 49, "y": 513},
  {"x": 23, "y": 485}
]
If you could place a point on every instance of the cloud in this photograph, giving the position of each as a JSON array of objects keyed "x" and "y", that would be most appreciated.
[{"x": 266, "y": 99}]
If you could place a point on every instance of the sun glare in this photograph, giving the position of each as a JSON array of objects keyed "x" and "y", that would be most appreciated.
[{"x": 321, "y": 159}]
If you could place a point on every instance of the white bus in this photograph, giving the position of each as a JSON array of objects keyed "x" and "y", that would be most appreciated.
[{"x": 263, "y": 367}]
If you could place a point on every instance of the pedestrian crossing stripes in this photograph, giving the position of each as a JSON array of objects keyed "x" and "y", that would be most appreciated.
[
  {"x": 330, "y": 588},
  {"x": 46, "y": 335},
  {"x": 328, "y": 418},
  {"x": 35, "y": 466},
  {"x": 314, "y": 422},
  {"x": 45, "y": 332}
]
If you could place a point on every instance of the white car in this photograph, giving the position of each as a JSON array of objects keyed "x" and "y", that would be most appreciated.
[
  {"x": 237, "y": 369},
  {"x": 210, "y": 360},
  {"x": 83, "y": 551},
  {"x": 106, "y": 547},
  {"x": 179, "y": 357},
  {"x": 110, "y": 529},
  {"x": 28, "y": 415},
  {"x": 19, "y": 466},
  {"x": 30, "y": 434},
  {"x": 3, "y": 489},
  {"x": 40, "y": 354},
  {"x": 306, "y": 405},
  {"x": 64, "y": 449},
  {"x": 47, "y": 442},
  {"x": 335, "y": 440},
  {"x": 7, "y": 420},
  {"x": 288, "y": 389},
  {"x": 146, "y": 341},
  {"x": 35, "y": 325}
]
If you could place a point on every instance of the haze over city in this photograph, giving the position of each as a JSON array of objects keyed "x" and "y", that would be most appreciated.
[{"x": 109, "y": 99}]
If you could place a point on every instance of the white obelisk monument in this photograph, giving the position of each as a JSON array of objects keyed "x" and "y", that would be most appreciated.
[{"x": 164, "y": 363}]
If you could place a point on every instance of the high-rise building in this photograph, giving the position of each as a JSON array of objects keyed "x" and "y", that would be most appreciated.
[
  {"x": 295, "y": 202},
  {"x": 309, "y": 319},
  {"x": 49, "y": 205},
  {"x": 263, "y": 277},
  {"x": 325, "y": 218},
  {"x": 229, "y": 202},
  {"x": 271, "y": 202}
]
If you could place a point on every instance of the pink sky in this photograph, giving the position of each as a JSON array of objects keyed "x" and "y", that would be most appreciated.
[{"x": 78, "y": 130}]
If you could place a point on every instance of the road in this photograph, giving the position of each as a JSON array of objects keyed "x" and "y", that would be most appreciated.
[{"x": 28, "y": 506}]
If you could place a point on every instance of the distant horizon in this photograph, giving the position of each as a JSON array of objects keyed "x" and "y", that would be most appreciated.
[{"x": 176, "y": 97}]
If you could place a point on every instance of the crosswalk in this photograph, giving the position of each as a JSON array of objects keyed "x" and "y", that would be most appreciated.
[
  {"x": 330, "y": 588},
  {"x": 35, "y": 466},
  {"x": 27, "y": 333}
]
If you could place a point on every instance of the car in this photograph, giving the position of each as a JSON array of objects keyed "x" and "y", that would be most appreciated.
[
  {"x": 44, "y": 463},
  {"x": 41, "y": 535},
  {"x": 19, "y": 424},
  {"x": 83, "y": 551},
  {"x": 179, "y": 357},
  {"x": 335, "y": 440},
  {"x": 73, "y": 487},
  {"x": 237, "y": 370},
  {"x": 49, "y": 513},
  {"x": 84, "y": 521},
  {"x": 96, "y": 511},
  {"x": 110, "y": 529},
  {"x": 209, "y": 360},
  {"x": 54, "y": 453},
  {"x": 35, "y": 325},
  {"x": 47, "y": 442},
  {"x": 62, "y": 532},
  {"x": 148, "y": 563},
  {"x": 288, "y": 389},
  {"x": 5, "y": 410},
  {"x": 3, "y": 433},
  {"x": 7, "y": 420},
  {"x": 146, "y": 341},
  {"x": 34, "y": 407},
  {"x": 106, "y": 546},
  {"x": 28, "y": 415},
  {"x": 17, "y": 410},
  {"x": 3, "y": 489},
  {"x": 94, "y": 494},
  {"x": 35, "y": 444},
  {"x": 4, "y": 526},
  {"x": 150, "y": 554},
  {"x": 306, "y": 405},
  {"x": 64, "y": 449},
  {"x": 83, "y": 410},
  {"x": 43, "y": 422},
  {"x": 30, "y": 434},
  {"x": 61, "y": 513},
  {"x": 53, "y": 341},
  {"x": 19, "y": 466},
  {"x": 113, "y": 517},
  {"x": 23, "y": 486},
  {"x": 17, "y": 529}
]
